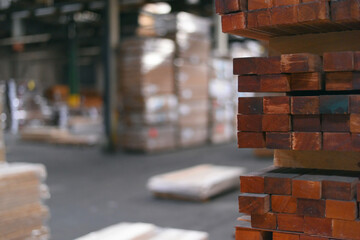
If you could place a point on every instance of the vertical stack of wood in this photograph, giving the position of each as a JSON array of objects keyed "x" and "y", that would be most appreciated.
[
  {"x": 149, "y": 103},
  {"x": 312, "y": 124},
  {"x": 22, "y": 212}
]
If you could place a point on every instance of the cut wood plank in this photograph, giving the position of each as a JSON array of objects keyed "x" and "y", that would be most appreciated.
[
  {"x": 251, "y": 140},
  {"x": 300, "y": 62},
  {"x": 276, "y": 123},
  {"x": 334, "y": 104},
  {"x": 264, "y": 221},
  {"x": 337, "y": 141},
  {"x": 355, "y": 123},
  {"x": 306, "y": 81},
  {"x": 290, "y": 222},
  {"x": 278, "y": 140},
  {"x": 338, "y": 61},
  {"x": 307, "y": 186},
  {"x": 250, "y": 203},
  {"x": 307, "y": 141},
  {"x": 251, "y": 105},
  {"x": 324, "y": 160},
  {"x": 275, "y": 83},
  {"x": 343, "y": 210},
  {"x": 276, "y": 105},
  {"x": 346, "y": 229},
  {"x": 259, "y": 4},
  {"x": 283, "y": 204},
  {"x": 250, "y": 123},
  {"x": 305, "y": 105},
  {"x": 306, "y": 123},
  {"x": 339, "y": 188},
  {"x": 285, "y": 236},
  {"x": 318, "y": 226},
  {"x": 335, "y": 123},
  {"x": 311, "y": 208}
]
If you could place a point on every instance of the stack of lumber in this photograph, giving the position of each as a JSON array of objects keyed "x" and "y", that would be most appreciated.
[
  {"x": 199, "y": 183},
  {"x": 286, "y": 203},
  {"x": 143, "y": 231},
  {"x": 273, "y": 18},
  {"x": 312, "y": 122},
  {"x": 320, "y": 112},
  {"x": 22, "y": 213},
  {"x": 146, "y": 86}
]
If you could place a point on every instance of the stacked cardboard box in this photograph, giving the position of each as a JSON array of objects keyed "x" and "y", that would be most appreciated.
[
  {"x": 192, "y": 78},
  {"x": 22, "y": 213},
  {"x": 223, "y": 101},
  {"x": 147, "y": 94}
]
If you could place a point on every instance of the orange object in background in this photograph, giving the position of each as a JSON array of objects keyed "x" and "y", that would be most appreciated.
[{"x": 58, "y": 93}]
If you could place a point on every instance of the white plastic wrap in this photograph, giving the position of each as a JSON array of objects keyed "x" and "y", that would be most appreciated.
[{"x": 199, "y": 182}]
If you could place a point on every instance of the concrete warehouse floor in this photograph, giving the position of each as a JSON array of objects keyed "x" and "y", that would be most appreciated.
[{"x": 91, "y": 190}]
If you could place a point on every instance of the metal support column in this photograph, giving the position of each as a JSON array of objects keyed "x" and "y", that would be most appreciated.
[
  {"x": 73, "y": 72},
  {"x": 112, "y": 36}
]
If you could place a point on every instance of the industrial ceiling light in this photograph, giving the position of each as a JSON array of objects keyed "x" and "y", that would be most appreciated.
[{"x": 157, "y": 8}]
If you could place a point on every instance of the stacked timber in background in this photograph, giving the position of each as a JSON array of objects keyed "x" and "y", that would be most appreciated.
[
  {"x": 312, "y": 124},
  {"x": 149, "y": 103},
  {"x": 222, "y": 102},
  {"x": 22, "y": 212},
  {"x": 192, "y": 38}
]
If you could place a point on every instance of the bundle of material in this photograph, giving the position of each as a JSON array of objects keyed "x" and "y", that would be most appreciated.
[
  {"x": 273, "y": 18},
  {"x": 22, "y": 213},
  {"x": 314, "y": 116},
  {"x": 199, "y": 183},
  {"x": 286, "y": 203},
  {"x": 149, "y": 103},
  {"x": 143, "y": 231},
  {"x": 192, "y": 78},
  {"x": 223, "y": 101}
]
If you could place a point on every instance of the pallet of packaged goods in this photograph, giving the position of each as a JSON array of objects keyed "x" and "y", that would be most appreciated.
[{"x": 22, "y": 211}]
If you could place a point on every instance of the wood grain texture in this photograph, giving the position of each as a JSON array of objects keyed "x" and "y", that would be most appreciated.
[
  {"x": 268, "y": 65},
  {"x": 306, "y": 123},
  {"x": 305, "y": 105},
  {"x": 311, "y": 208},
  {"x": 277, "y": 140},
  {"x": 284, "y": 15},
  {"x": 276, "y": 123},
  {"x": 290, "y": 222},
  {"x": 306, "y": 81},
  {"x": 338, "y": 61},
  {"x": 300, "y": 62},
  {"x": 355, "y": 104},
  {"x": 245, "y": 66},
  {"x": 357, "y": 61},
  {"x": 339, "y": 188},
  {"x": 285, "y": 2},
  {"x": 332, "y": 160},
  {"x": 307, "y": 141},
  {"x": 343, "y": 210},
  {"x": 318, "y": 226},
  {"x": 250, "y": 123},
  {"x": 355, "y": 139},
  {"x": 285, "y": 236},
  {"x": 355, "y": 123},
  {"x": 251, "y": 140},
  {"x": 334, "y": 104},
  {"x": 337, "y": 141},
  {"x": 254, "y": 203},
  {"x": 339, "y": 81},
  {"x": 275, "y": 83},
  {"x": 307, "y": 186},
  {"x": 346, "y": 229},
  {"x": 230, "y": 6},
  {"x": 233, "y": 23},
  {"x": 251, "y": 105},
  {"x": 249, "y": 83},
  {"x": 345, "y": 11},
  {"x": 247, "y": 233},
  {"x": 259, "y": 4},
  {"x": 305, "y": 237},
  {"x": 283, "y": 204},
  {"x": 276, "y": 105},
  {"x": 315, "y": 12},
  {"x": 279, "y": 183},
  {"x": 335, "y": 123},
  {"x": 264, "y": 221},
  {"x": 252, "y": 184}
]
